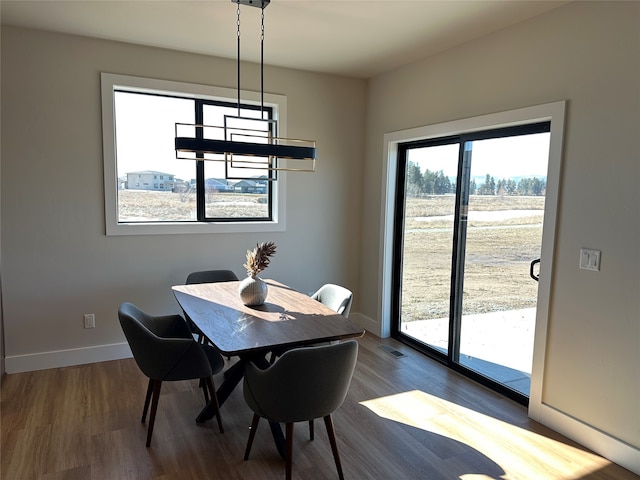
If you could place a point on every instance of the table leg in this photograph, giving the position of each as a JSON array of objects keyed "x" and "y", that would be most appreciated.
[
  {"x": 278, "y": 438},
  {"x": 233, "y": 375}
]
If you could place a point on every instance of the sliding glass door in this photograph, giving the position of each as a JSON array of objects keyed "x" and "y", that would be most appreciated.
[{"x": 469, "y": 214}]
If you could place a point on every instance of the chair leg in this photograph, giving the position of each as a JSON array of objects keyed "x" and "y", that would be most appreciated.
[
  {"x": 311, "y": 430},
  {"x": 147, "y": 399},
  {"x": 252, "y": 435},
  {"x": 289, "y": 451},
  {"x": 334, "y": 446},
  {"x": 157, "y": 384},
  {"x": 214, "y": 398}
]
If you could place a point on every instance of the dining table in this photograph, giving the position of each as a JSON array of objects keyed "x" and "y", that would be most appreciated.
[{"x": 286, "y": 320}]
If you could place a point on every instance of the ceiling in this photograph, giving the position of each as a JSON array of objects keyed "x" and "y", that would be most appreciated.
[{"x": 355, "y": 38}]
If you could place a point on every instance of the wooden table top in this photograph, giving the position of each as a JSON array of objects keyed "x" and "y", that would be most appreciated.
[{"x": 287, "y": 318}]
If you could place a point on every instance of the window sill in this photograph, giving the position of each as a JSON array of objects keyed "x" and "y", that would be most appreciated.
[{"x": 177, "y": 228}]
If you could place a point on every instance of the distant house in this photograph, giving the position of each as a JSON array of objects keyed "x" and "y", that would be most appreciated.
[
  {"x": 218, "y": 185},
  {"x": 181, "y": 186},
  {"x": 251, "y": 186},
  {"x": 150, "y": 180}
]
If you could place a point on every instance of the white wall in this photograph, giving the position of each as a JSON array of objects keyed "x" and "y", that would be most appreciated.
[
  {"x": 587, "y": 53},
  {"x": 57, "y": 262}
]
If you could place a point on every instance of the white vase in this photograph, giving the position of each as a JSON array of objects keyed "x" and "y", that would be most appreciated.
[{"x": 253, "y": 291}]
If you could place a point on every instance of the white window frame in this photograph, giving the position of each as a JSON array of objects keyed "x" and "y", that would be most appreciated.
[{"x": 109, "y": 83}]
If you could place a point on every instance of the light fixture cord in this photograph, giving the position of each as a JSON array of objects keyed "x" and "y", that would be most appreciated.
[
  {"x": 262, "y": 64},
  {"x": 238, "y": 35}
]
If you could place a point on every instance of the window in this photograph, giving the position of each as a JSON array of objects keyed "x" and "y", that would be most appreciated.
[{"x": 148, "y": 190}]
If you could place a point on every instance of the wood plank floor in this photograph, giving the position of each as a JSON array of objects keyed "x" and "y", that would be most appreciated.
[{"x": 404, "y": 418}]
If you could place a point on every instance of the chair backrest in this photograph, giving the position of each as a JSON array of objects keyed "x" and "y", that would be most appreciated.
[
  {"x": 335, "y": 297},
  {"x": 211, "y": 276},
  {"x": 158, "y": 357},
  {"x": 303, "y": 384}
]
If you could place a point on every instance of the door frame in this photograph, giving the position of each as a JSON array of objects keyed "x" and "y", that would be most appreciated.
[{"x": 552, "y": 112}]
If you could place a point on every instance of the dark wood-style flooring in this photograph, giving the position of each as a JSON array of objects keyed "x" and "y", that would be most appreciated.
[{"x": 404, "y": 418}]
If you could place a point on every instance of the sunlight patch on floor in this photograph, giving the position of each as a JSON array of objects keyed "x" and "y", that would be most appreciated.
[{"x": 508, "y": 445}]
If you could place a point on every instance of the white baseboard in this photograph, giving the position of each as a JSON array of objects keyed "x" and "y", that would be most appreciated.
[
  {"x": 104, "y": 353},
  {"x": 365, "y": 322},
  {"x": 609, "y": 447},
  {"x": 67, "y": 358}
]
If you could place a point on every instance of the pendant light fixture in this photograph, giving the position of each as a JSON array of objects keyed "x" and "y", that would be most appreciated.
[{"x": 246, "y": 142}]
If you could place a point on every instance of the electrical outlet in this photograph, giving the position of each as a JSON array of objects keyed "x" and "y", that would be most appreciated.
[
  {"x": 590, "y": 259},
  {"x": 89, "y": 320}
]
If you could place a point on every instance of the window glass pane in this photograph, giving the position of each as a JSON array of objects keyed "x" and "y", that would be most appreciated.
[
  {"x": 153, "y": 186},
  {"x": 426, "y": 256},
  {"x": 244, "y": 194},
  {"x": 503, "y": 236}
]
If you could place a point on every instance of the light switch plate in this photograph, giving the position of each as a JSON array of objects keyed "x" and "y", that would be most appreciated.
[
  {"x": 89, "y": 320},
  {"x": 590, "y": 259}
]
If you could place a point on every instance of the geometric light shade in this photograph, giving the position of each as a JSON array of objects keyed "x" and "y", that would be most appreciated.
[
  {"x": 276, "y": 147},
  {"x": 244, "y": 142}
]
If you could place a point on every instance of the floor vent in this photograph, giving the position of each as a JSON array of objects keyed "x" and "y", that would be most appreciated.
[{"x": 392, "y": 351}]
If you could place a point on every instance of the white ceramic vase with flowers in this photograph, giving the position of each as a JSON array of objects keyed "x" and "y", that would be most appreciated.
[{"x": 253, "y": 290}]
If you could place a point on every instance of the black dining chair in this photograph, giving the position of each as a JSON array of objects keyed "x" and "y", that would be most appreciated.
[
  {"x": 164, "y": 349},
  {"x": 207, "y": 276},
  {"x": 303, "y": 384},
  {"x": 211, "y": 276}
]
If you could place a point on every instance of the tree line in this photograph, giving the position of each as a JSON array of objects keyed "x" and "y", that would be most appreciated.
[{"x": 437, "y": 183}]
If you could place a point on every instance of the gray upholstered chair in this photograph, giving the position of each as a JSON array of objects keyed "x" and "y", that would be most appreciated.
[
  {"x": 207, "y": 276},
  {"x": 303, "y": 384},
  {"x": 165, "y": 350},
  {"x": 335, "y": 297},
  {"x": 211, "y": 276}
]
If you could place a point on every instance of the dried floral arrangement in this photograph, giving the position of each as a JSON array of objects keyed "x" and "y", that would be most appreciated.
[{"x": 259, "y": 258}]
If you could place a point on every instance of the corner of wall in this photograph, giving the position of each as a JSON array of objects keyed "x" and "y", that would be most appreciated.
[{"x": 369, "y": 324}]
